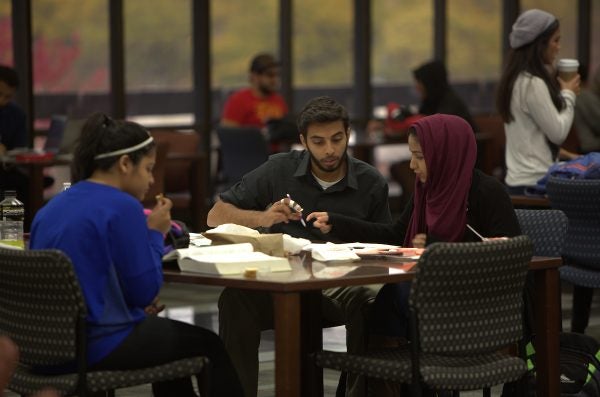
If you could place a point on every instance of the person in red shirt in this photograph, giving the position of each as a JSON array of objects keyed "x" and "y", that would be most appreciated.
[{"x": 256, "y": 105}]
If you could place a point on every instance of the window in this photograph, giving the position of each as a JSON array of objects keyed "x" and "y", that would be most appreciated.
[
  {"x": 474, "y": 44},
  {"x": 70, "y": 57},
  {"x": 395, "y": 52},
  {"x": 474, "y": 52},
  {"x": 323, "y": 49},
  {"x": 6, "y": 50},
  {"x": 240, "y": 29},
  {"x": 595, "y": 38},
  {"x": 158, "y": 61}
]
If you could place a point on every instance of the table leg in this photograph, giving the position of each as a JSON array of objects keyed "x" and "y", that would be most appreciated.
[
  {"x": 312, "y": 342},
  {"x": 287, "y": 344},
  {"x": 547, "y": 314}
]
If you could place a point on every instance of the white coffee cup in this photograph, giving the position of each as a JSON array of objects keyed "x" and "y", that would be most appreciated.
[{"x": 567, "y": 68}]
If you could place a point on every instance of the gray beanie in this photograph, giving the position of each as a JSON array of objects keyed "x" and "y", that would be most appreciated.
[{"x": 528, "y": 26}]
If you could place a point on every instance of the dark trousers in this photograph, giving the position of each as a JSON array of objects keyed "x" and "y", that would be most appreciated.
[
  {"x": 390, "y": 310},
  {"x": 159, "y": 340},
  {"x": 582, "y": 303}
]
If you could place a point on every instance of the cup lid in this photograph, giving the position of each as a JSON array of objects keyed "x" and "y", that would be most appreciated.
[{"x": 568, "y": 63}]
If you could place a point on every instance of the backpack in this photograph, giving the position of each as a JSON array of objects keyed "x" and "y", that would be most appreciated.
[{"x": 579, "y": 357}]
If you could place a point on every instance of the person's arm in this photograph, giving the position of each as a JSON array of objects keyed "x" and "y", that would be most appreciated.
[
  {"x": 137, "y": 253},
  {"x": 495, "y": 215},
  {"x": 554, "y": 124},
  {"x": 223, "y": 212}
]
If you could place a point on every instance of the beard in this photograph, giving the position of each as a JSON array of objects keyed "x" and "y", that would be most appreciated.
[
  {"x": 334, "y": 168},
  {"x": 266, "y": 89}
]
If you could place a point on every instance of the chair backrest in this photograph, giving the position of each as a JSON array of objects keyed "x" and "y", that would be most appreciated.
[
  {"x": 242, "y": 150},
  {"x": 579, "y": 199},
  {"x": 468, "y": 297},
  {"x": 177, "y": 171},
  {"x": 545, "y": 228},
  {"x": 41, "y": 305}
]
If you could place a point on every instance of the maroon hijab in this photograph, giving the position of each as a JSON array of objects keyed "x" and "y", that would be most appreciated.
[{"x": 440, "y": 204}]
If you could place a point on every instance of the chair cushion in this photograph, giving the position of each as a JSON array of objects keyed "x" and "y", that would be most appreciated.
[
  {"x": 438, "y": 372},
  {"x": 580, "y": 276},
  {"x": 26, "y": 382}
]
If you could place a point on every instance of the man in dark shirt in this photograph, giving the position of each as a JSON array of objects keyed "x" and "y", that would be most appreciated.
[
  {"x": 12, "y": 131},
  {"x": 319, "y": 178}
]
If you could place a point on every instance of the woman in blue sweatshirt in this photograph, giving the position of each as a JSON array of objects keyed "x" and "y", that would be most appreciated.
[{"x": 116, "y": 252}]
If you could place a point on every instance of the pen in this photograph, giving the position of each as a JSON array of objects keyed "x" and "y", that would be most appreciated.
[
  {"x": 301, "y": 218},
  {"x": 477, "y": 234}
]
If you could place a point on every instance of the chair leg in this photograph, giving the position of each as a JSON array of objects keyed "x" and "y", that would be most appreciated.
[
  {"x": 203, "y": 379},
  {"x": 487, "y": 392}
]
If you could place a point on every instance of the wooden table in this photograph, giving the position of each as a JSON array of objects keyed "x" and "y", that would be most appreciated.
[
  {"x": 522, "y": 201},
  {"x": 297, "y": 315}
]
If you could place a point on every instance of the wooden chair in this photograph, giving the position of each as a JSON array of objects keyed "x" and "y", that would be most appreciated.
[
  {"x": 43, "y": 311},
  {"x": 466, "y": 307},
  {"x": 184, "y": 179}
]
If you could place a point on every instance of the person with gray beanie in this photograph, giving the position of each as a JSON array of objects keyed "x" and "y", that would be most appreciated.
[{"x": 537, "y": 106}]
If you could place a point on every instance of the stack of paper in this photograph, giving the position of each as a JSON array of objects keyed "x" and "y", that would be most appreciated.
[{"x": 226, "y": 259}]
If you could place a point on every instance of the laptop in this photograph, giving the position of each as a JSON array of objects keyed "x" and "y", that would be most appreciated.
[
  {"x": 55, "y": 134},
  {"x": 62, "y": 135}
]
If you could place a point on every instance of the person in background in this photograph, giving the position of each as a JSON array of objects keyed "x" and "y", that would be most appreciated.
[
  {"x": 437, "y": 96},
  {"x": 116, "y": 252},
  {"x": 587, "y": 115},
  {"x": 322, "y": 177},
  {"x": 449, "y": 194},
  {"x": 13, "y": 133},
  {"x": 537, "y": 106},
  {"x": 256, "y": 105}
]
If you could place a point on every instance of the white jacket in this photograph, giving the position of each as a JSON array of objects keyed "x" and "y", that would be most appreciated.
[{"x": 528, "y": 155}]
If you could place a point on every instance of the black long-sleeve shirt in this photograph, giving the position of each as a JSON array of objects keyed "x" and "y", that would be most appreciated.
[{"x": 490, "y": 212}]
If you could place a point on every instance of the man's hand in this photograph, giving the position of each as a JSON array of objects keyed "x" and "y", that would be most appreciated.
[
  {"x": 321, "y": 221},
  {"x": 279, "y": 212}
]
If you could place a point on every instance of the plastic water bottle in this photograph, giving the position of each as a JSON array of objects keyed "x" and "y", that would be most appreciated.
[{"x": 12, "y": 213}]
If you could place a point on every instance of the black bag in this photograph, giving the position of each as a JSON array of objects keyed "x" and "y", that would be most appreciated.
[
  {"x": 579, "y": 357},
  {"x": 579, "y": 365}
]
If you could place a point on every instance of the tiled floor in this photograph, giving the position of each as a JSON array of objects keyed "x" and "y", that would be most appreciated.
[{"x": 198, "y": 305}]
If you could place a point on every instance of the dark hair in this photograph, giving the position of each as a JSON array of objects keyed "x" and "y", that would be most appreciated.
[
  {"x": 322, "y": 109},
  {"x": 9, "y": 76},
  {"x": 101, "y": 134},
  {"x": 434, "y": 77},
  {"x": 263, "y": 62},
  {"x": 528, "y": 58}
]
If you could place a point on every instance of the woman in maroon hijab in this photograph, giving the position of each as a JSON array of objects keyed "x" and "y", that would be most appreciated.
[{"x": 449, "y": 195}]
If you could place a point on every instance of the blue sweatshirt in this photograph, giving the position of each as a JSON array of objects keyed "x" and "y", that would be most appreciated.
[{"x": 116, "y": 257}]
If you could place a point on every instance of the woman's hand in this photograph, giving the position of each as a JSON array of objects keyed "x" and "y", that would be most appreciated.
[
  {"x": 419, "y": 240},
  {"x": 160, "y": 217},
  {"x": 321, "y": 221},
  {"x": 154, "y": 308},
  {"x": 574, "y": 84}
]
